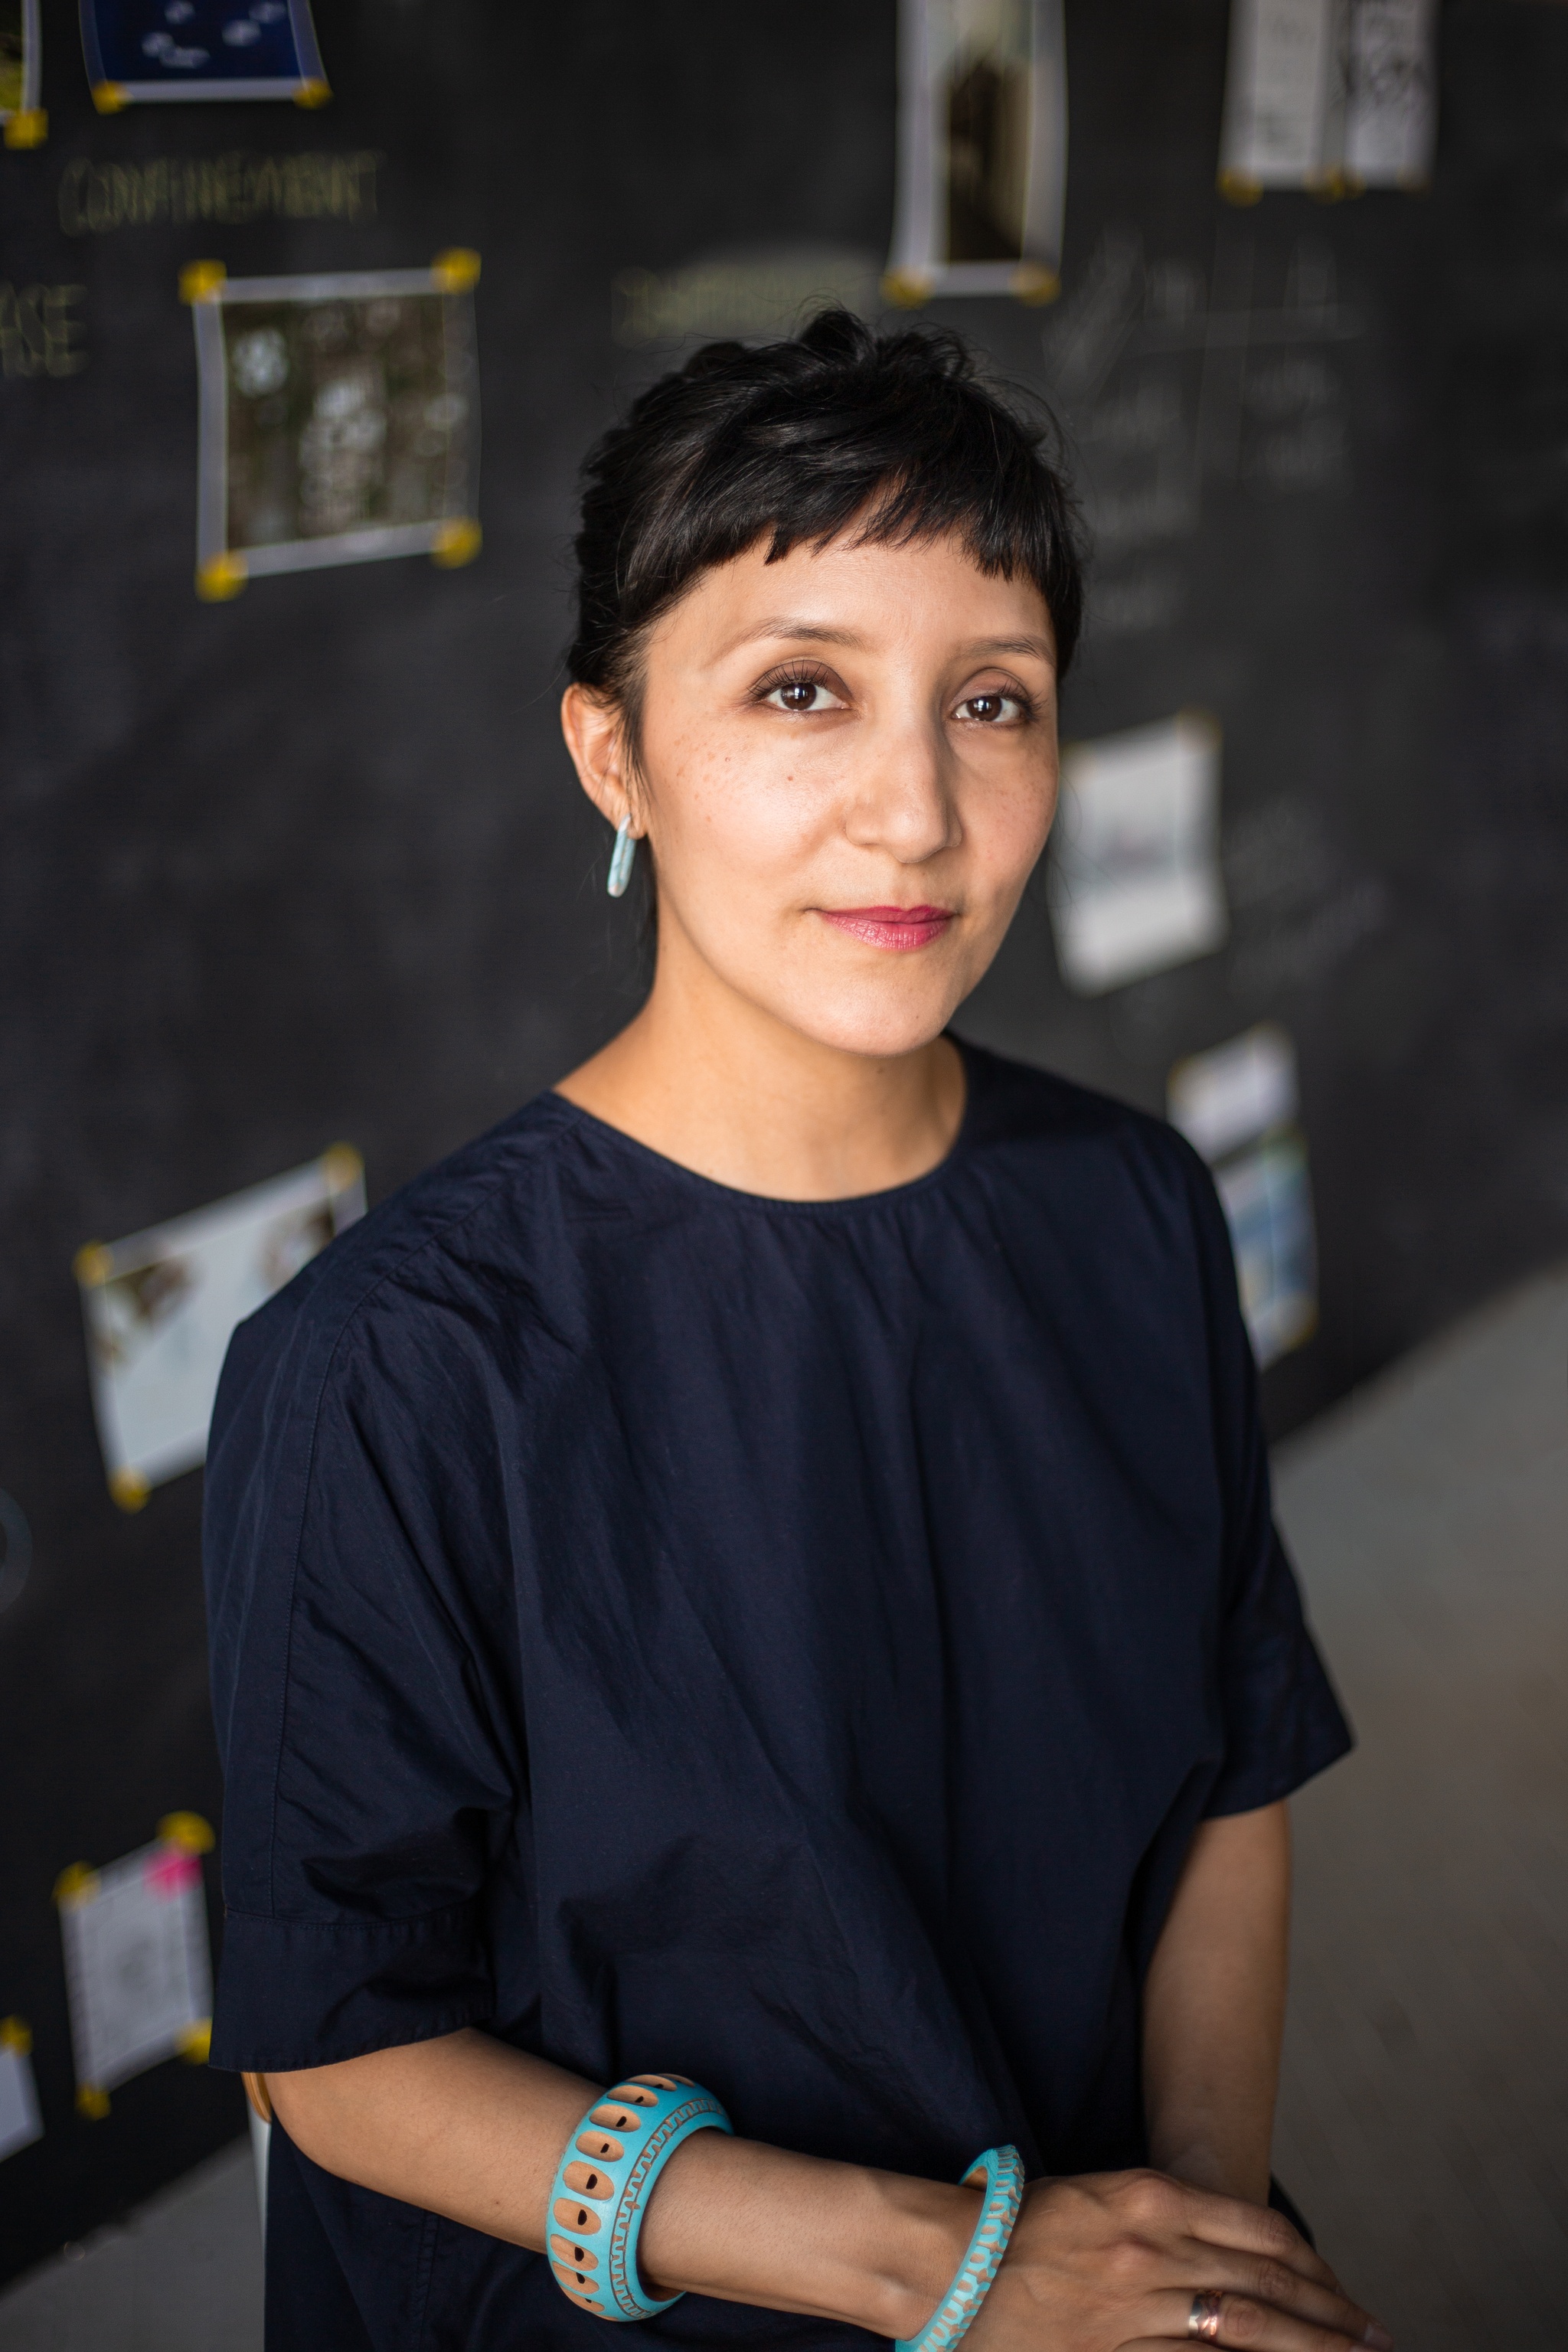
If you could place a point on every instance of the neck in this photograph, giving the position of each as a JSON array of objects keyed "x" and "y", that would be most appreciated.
[{"x": 711, "y": 1080}]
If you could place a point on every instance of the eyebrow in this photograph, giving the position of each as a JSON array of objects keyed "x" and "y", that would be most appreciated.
[{"x": 817, "y": 634}]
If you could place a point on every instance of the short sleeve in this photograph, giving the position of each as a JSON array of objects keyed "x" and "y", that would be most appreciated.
[
  {"x": 369, "y": 1772},
  {"x": 1282, "y": 1721}
]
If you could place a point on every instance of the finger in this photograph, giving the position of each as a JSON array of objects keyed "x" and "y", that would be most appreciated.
[
  {"x": 1265, "y": 2279},
  {"x": 1248, "y": 2324},
  {"x": 1254, "y": 2230}
]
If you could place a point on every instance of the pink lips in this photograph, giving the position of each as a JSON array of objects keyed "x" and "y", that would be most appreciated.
[{"x": 900, "y": 927}]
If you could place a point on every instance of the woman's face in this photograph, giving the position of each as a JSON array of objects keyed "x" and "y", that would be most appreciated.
[{"x": 849, "y": 768}]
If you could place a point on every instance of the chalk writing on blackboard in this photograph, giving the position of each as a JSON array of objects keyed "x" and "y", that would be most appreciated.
[
  {"x": 227, "y": 190},
  {"x": 764, "y": 293},
  {"x": 37, "y": 334}
]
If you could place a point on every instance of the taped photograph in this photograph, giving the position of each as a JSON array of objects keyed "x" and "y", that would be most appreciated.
[
  {"x": 340, "y": 419},
  {"x": 1237, "y": 1105},
  {"x": 160, "y": 1307},
  {"x": 142, "y": 50},
  {"x": 137, "y": 1962},
  {"x": 20, "y": 2122},
  {"x": 1135, "y": 884},
  {"x": 23, "y": 122},
  {"x": 1331, "y": 95},
  {"x": 982, "y": 171}
]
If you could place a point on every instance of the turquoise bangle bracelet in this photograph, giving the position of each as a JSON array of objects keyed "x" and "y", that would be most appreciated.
[
  {"x": 999, "y": 2173},
  {"x": 602, "y": 2183}
]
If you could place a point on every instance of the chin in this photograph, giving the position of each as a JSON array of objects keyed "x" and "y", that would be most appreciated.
[{"x": 864, "y": 1021}]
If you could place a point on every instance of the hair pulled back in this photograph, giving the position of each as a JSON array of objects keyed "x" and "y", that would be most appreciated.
[{"x": 793, "y": 442}]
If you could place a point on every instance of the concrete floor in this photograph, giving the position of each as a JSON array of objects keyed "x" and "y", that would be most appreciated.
[{"x": 1424, "y": 2120}]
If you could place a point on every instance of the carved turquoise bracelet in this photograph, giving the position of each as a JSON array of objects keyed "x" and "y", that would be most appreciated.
[
  {"x": 601, "y": 2188},
  {"x": 999, "y": 2173}
]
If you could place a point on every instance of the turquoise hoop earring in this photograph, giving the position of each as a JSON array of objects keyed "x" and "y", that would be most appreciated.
[{"x": 621, "y": 857}]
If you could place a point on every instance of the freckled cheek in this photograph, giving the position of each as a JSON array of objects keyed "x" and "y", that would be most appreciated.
[{"x": 754, "y": 812}]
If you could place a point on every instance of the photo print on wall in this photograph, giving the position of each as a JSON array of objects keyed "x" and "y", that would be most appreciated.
[
  {"x": 140, "y": 50},
  {"x": 1237, "y": 1105},
  {"x": 1135, "y": 884},
  {"x": 162, "y": 1305},
  {"x": 1331, "y": 95},
  {"x": 23, "y": 122},
  {"x": 340, "y": 418},
  {"x": 137, "y": 1962},
  {"x": 982, "y": 171},
  {"x": 20, "y": 2121}
]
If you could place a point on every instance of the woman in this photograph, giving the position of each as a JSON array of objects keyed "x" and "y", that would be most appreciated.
[{"x": 761, "y": 1565}]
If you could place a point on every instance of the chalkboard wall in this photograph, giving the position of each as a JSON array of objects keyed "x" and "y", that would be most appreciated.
[{"x": 311, "y": 864}]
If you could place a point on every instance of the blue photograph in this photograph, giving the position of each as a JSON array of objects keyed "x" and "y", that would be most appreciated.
[{"x": 158, "y": 50}]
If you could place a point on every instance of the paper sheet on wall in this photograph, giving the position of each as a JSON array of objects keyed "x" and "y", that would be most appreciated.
[
  {"x": 138, "y": 50},
  {"x": 160, "y": 1307},
  {"x": 22, "y": 121},
  {"x": 1237, "y": 1105},
  {"x": 138, "y": 1965},
  {"x": 1329, "y": 94},
  {"x": 1135, "y": 883},
  {"x": 20, "y": 2121},
  {"x": 982, "y": 171},
  {"x": 340, "y": 419}
]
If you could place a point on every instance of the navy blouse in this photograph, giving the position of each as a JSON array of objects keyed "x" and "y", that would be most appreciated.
[{"x": 792, "y": 1643}]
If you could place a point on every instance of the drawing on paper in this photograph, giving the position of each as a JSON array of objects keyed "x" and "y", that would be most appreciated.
[
  {"x": 1336, "y": 95},
  {"x": 138, "y": 1964},
  {"x": 1135, "y": 881},
  {"x": 162, "y": 1305},
  {"x": 23, "y": 121},
  {"x": 340, "y": 419},
  {"x": 138, "y": 50},
  {"x": 981, "y": 150},
  {"x": 20, "y": 2122},
  {"x": 1237, "y": 1105}
]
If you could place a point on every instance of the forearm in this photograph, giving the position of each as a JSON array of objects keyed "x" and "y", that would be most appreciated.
[
  {"x": 467, "y": 2126},
  {"x": 1214, "y": 2006}
]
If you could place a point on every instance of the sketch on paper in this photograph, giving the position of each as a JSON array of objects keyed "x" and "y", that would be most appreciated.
[
  {"x": 138, "y": 1965},
  {"x": 1237, "y": 1106},
  {"x": 160, "y": 50},
  {"x": 20, "y": 2122},
  {"x": 162, "y": 1305},
  {"x": 1329, "y": 94},
  {"x": 981, "y": 150},
  {"x": 1135, "y": 881},
  {"x": 22, "y": 120},
  {"x": 340, "y": 419}
]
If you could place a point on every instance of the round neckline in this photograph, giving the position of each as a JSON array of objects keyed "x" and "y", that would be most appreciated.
[{"x": 737, "y": 1196}]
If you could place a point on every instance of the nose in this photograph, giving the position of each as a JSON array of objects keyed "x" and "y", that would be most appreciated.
[{"x": 903, "y": 801}]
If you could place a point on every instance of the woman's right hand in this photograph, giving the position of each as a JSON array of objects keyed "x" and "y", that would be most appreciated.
[{"x": 1111, "y": 2262}]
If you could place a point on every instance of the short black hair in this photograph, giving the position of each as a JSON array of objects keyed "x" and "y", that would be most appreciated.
[{"x": 794, "y": 440}]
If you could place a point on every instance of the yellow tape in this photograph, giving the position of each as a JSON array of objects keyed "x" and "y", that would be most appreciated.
[
  {"x": 195, "y": 2042},
  {"x": 17, "y": 2034},
  {"x": 906, "y": 290},
  {"x": 91, "y": 2102},
  {"x": 457, "y": 542},
  {"x": 1033, "y": 285},
  {"x": 456, "y": 269},
  {"x": 111, "y": 97},
  {"x": 341, "y": 1166},
  {"x": 28, "y": 127},
  {"x": 223, "y": 577},
  {"x": 188, "y": 1832},
  {"x": 199, "y": 281},
  {"x": 92, "y": 1264},
  {"x": 1240, "y": 188},
  {"x": 128, "y": 1488},
  {"x": 78, "y": 1883},
  {"x": 313, "y": 93}
]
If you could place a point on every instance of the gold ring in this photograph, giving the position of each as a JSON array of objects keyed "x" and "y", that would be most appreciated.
[{"x": 1204, "y": 2317}]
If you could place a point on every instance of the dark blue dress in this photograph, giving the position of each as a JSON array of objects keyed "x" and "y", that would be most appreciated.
[{"x": 791, "y": 1642}]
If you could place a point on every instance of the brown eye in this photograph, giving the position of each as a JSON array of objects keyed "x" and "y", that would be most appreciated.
[
  {"x": 991, "y": 709},
  {"x": 799, "y": 695},
  {"x": 803, "y": 697}
]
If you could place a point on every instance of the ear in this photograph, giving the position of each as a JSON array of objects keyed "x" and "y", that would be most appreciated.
[{"x": 592, "y": 726}]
